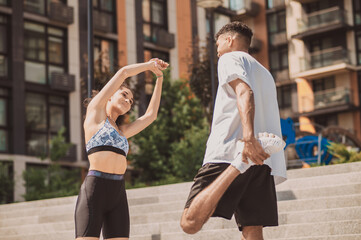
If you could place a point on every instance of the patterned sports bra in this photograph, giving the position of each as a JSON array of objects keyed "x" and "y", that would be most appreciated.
[{"x": 108, "y": 139}]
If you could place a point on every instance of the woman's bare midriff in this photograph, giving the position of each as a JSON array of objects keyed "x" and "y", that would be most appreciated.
[{"x": 109, "y": 162}]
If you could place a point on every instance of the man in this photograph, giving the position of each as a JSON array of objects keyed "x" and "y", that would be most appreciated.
[{"x": 225, "y": 184}]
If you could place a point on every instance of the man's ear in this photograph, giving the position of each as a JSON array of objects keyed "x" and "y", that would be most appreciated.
[{"x": 230, "y": 41}]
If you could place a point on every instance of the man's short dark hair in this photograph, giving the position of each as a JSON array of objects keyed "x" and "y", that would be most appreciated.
[{"x": 237, "y": 27}]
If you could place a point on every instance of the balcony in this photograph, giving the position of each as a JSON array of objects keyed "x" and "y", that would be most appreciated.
[
  {"x": 277, "y": 39},
  {"x": 324, "y": 58},
  {"x": 61, "y": 13},
  {"x": 276, "y": 4},
  {"x": 281, "y": 76},
  {"x": 322, "y": 21},
  {"x": 62, "y": 81},
  {"x": 246, "y": 8},
  {"x": 333, "y": 100},
  {"x": 102, "y": 22},
  {"x": 164, "y": 39}
]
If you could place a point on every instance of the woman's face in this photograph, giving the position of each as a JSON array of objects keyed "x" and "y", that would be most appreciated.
[{"x": 122, "y": 100}]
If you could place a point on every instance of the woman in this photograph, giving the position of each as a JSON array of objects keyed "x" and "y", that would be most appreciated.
[{"x": 102, "y": 202}]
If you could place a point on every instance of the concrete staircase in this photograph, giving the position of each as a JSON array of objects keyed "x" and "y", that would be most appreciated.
[{"x": 316, "y": 204}]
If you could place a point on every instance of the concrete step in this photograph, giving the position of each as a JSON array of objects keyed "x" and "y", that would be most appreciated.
[
  {"x": 324, "y": 230},
  {"x": 173, "y": 210},
  {"x": 324, "y": 170},
  {"x": 177, "y": 201},
  {"x": 349, "y": 173},
  {"x": 156, "y": 223}
]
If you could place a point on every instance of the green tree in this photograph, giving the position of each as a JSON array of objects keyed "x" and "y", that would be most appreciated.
[
  {"x": 6, "y": 183},
  {"x": 180, "y": 118},
  {"x": 53, "y": 180}
]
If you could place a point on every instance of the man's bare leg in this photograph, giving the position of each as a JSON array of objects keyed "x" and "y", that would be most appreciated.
[
  {"x": 252, "y": 233},
  {"x": 204, "y": 204}
]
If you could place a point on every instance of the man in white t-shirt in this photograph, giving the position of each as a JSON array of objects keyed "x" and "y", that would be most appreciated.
[{"x": 246, "y": 105}]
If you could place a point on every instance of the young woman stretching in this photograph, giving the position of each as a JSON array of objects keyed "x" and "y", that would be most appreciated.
[{"x": 102, "y": 201}]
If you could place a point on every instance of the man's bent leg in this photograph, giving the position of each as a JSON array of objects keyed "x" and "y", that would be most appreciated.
[
  {"x": 204, "y": 204},
  {"x": 252, "y": 233}
]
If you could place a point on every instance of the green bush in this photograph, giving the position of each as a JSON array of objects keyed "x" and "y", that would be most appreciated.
[
  {"x": 52, "y": 181},
  {"x": 343, "y": 153},
  {"x": 165, "y": 145},
  {"x": 6, "y": 183}
]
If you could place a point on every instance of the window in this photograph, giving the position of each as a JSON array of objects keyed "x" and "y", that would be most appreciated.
[
  {"x": 4, "y": 120},
  {"x": 357, "y": 11},
  {"x": 45, "y": 52},
  {"x": 106, "y": 60},
  {"x": 41, "y": 7},
  {"x": 358, "y": 47},
  {"x": 323, "y": 84},
  {"x": 45, "y": 116},
  {"x": 274, "y": 3},
  {"x": 320, "y": 5},
  {"x": 154, "y": 18},
  {"x": 327, "y": 120},
  {"x": 276, "y": 22},
  {"x": 284, "y": 96},
  {"x": 279, "y": 59},
  {"x": 107, "y": 7},
  {"x": 149, "y": 85},
  {"x": 236, "y": 5},
  {"x": 7, "y": 182},
  {"x": 4, "y": 33},
  {"x": 4, "y": 2}
]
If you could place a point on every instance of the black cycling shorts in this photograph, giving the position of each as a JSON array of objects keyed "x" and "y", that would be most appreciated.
[
  {"x": 251, "y": 197},
  {"x": 102, "y": 205}
]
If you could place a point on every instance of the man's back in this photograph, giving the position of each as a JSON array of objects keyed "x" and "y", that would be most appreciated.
[{"x": 226, "y": 125}]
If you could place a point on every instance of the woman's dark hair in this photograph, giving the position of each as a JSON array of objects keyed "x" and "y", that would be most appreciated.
[
  {"x": 237, "y": 27},
  {"x": 86, "y": 102}
]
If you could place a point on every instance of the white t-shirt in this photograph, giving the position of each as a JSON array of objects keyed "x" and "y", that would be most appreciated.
[{"x": 226, "y": 124}]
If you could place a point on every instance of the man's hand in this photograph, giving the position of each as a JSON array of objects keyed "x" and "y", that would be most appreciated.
[{"x": 254, "y": 151}]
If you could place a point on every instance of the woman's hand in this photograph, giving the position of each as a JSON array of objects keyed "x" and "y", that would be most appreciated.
[{"x": 157, "y": 66}]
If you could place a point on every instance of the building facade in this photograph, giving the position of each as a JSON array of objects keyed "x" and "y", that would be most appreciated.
[{"x": 311, "y": 47}]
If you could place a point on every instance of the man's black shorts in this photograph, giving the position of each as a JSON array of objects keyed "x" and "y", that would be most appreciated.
[{"x": 251, "y": 197}]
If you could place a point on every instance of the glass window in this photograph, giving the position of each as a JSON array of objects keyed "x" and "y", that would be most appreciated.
[
  {"x": 36, "y": 109},
  {"x": 277, "y": 22},
  {"x": 4, "y": 120},
  {"x": 323, "y": 84},
  {"x": 279, "y": 58},
  {"x": 358, "y": 47},
  {"x": 154, "y": 18},
  {"x": 107, "y": 8},
  {"x": 41, "y": 7},
  {"x": 44, "y": 51},
  {"x": 284, "y": 96},
  {"x": 236, "y": 5},
  {"x": 105, "y": 55},
  {"x": 357, "y": 11},
  {"x": 45, "y": 116},
  {"x": 35, "y": 6},
  {"x": 4, "y": 45}
]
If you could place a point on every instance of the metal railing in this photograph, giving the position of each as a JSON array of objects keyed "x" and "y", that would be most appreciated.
[
  {"x": 322, "y": 18},
  {"x": 325, "y": 58},
  {"x": 327, "y": 98}
]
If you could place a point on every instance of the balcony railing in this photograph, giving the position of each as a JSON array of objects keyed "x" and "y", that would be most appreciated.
[
  {"x": 322, "y": 18},
  {"x": 61, "y": 12},
  {"x": 278, "y": 38},
  {"x": 102, "y": 22},
  {"x": 324, "y": 58},
  {"x": 275, "y": 3},
  {"x": 327, "y": 98},
  {"x": 281, "y": 75},
  {"x": 62, "y": 81}
]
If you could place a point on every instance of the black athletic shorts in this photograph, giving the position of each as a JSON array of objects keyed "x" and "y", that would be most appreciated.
[
  {"x": 102, "y": 204},
  {"x": 251, "y": 197}
]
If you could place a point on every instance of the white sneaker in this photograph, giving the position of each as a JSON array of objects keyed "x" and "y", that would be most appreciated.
[{"x": 270, "y": 143}]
